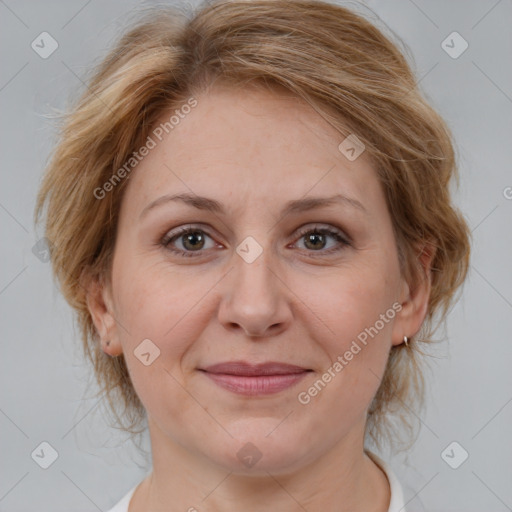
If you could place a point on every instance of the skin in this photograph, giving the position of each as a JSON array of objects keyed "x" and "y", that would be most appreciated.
[{"x": 253, "y": 151}]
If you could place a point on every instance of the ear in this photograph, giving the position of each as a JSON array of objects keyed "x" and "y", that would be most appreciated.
[
  {"x": 100, "y": 305},
  {"x": 414, "y": 298}
]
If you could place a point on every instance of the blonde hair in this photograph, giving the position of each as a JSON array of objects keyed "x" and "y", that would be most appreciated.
[{"x": 331, "y": 57}]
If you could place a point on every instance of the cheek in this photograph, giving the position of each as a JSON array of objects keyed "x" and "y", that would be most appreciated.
[
  {"x": 155, "y": 304},
  {"x": 167, "y": 307},
  {"x": 352, "y": 304},
  {"x": 358, "y": 310}
]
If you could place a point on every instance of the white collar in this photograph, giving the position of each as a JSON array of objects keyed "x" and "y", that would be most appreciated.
[{"x": 397, "y": 502}]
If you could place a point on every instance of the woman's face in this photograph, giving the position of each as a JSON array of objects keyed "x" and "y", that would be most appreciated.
[{"x": 253, "y": 283}]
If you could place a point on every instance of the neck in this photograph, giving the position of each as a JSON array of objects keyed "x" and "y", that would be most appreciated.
[{"x": 342, "y": 480}]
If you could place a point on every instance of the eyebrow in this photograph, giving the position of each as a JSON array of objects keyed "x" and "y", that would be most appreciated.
[{"x": 294, "y": 206}]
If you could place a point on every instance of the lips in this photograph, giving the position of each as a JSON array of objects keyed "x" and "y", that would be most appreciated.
[
  {"x": 255, "y": 379},
  {"x": 249, "y": 370}
]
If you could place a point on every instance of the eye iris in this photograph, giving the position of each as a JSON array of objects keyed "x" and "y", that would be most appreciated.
[
  {"x": 193, "y": 237},
  {"x": 313, "y": 239}
]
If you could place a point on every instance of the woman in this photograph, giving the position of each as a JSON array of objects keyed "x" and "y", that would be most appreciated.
[{"x": 250, "y": 212}]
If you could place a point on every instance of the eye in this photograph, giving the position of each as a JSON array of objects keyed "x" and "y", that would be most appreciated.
[
  {"x": 316, "y": 239},
  {"x": 192, "y": 240}
]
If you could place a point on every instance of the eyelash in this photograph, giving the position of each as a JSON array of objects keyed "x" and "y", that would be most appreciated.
[{"x": 337, "y": 235}]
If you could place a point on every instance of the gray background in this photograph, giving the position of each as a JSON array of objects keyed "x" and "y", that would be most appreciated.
[{"x": 47, "y": 393}]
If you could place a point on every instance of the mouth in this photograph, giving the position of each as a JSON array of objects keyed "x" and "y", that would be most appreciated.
[{"x": 244, "y": 378}]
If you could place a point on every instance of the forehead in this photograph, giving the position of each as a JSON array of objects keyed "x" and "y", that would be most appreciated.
[{"x": 243, "y": 146}]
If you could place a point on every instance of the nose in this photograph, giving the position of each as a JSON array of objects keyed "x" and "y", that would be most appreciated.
[{"x": 255, "y": 298}]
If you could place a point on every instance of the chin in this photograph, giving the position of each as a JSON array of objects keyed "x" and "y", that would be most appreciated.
[{"x": 260, "y": 448}]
